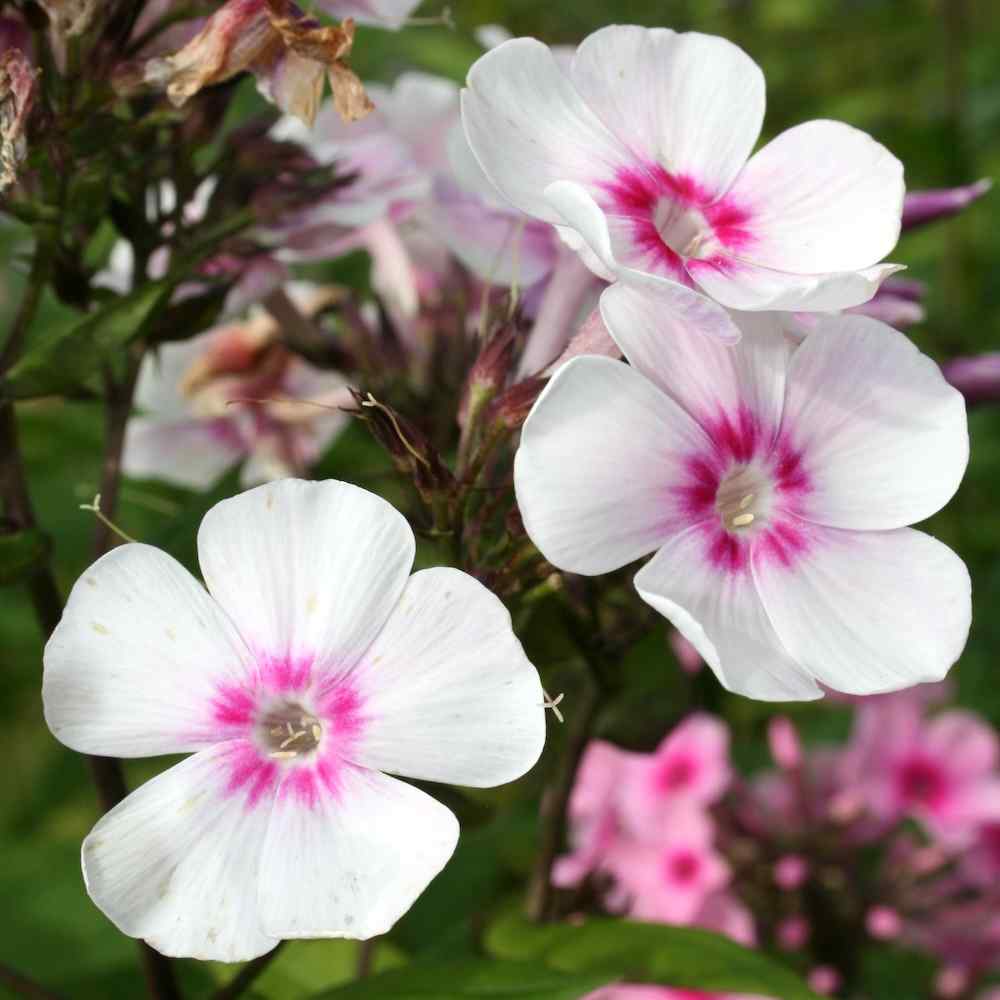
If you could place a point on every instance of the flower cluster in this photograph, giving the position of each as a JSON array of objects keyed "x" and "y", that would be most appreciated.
[
  {"x": 648, "y": 347},
  {"x": 672, "y": 836}
]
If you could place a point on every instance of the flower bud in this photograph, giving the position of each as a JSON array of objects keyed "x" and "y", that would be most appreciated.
[
  {"x": 921, "y": 207},
  {"x": 489, "y": 372},
  {"x": 783, "y": 740},
  {"x": 825, "y": 980},
  {"x": 883, "y": 923},
  {"x": 791, "y": 872},
  {"x": 511, "y": 408},
  {"x": 793, "y": 933},
  {"x": 977, "y": 377},
  {"x": 69, "y": 18}
]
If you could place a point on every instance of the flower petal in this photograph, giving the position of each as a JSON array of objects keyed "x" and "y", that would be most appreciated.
[
  {"x": 191, "y": 453},
  {"x": 528, "y": 126},
  {"x": 693, "y": 103},
  {"x": 823, "y": 197},
  {"x": 306, "y": 570},
  {"x": 176, "y": 863},
  {"x": 132, "y": 668},
  {"x": 882, "y": 451},
  {"x": 599, "y": 453},
  {"x": 870, "y": 611},
  {"x": 720, "y": 613},
  {"x": 661, "y": 334},
  {"x": 350, "y": 861},
  {"x": 449, "y": 693},
  {"x": 741, "y": 284}
]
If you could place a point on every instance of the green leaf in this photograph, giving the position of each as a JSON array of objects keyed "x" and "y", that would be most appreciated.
[
  {"x": 632, "y": 952},
  {"x": 21, "y": 553},
  {"x": 63, "y": 358},
  {"x": 469, "y": 979}
]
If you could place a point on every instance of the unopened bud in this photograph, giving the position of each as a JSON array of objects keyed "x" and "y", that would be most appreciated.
[
  {"x": 511, "y": 408},
  {"x": 791, "y": 872},
  {"x": 17, "y": 95},
  {"x": 783, "y": 740},
  {"x": 952, "y": 981},
  {"x": 793, "y": 933},
  {"x": 921, "y": 207},
  {"x": 977, "y": 377},
  {"x": 883, "y": 923},
  {"x": 489, "y": 372},
  {"x": 825, "y": 980},
  {"x": 687, "y": 656}
]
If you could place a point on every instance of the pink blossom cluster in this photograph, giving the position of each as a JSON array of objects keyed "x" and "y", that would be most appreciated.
[{"x": 674, "y": 836}]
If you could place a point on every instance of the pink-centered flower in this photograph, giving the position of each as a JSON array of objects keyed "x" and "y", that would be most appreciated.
[
  {"x": 641, "y": 152},
  {"x": 234, "y": 393},
  {"x": 669, "y": 878},
  {"x": 773, "y": 482},
  {"x": 690, "y": 768},
  {"x": 312, "y": 664},
  {"x": 941, "y": 771}
]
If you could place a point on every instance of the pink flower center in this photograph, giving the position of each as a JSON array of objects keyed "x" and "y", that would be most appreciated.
[
  {"x": 670, "y": 219},
  {"x": 676, "y": 773},
  {"x": 683, "y": 867},
  {"x": 921, "y": 782}
]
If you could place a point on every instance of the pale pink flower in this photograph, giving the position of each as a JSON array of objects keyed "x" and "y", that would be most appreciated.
[
  {"x": 669, "y": 879},
  {"x": 784, "y": 744},
  {"x": 594, "y": 811},
  {"x": 312, "y": 664},
  {"x": 391, "y": 14},
  {"x": 640, "y": 152},
  {"x": 690, "y": 767},
  {"x": 941, "y": 771},
  {"x": 231, "y": 394},
  {"x": 774, "y": 486}
]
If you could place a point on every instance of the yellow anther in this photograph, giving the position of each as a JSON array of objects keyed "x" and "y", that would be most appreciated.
[
  {"x": 746, "y": 501},
  {"x": 282, "y": 754},
  {"x": 742, "y": 520}
]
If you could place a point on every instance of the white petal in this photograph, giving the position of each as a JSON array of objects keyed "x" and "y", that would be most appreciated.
[
  {"x": 350, "y": 862},
  {"x": 306, "y": 570},
  {"x": 823, "y": 197},
  {"x": 870, "y": 611},
  {"x": 390, "y": 14},
  {"x": 528, "y": 126},
  {"x": 720, "y": 613},
  {"x": 660, "y": 327},
  {"x": 576, "y": 210},
  {"x": 693, "y": 103},
  {"x": 133, "y": 667},
  {"x": 742, "y": 285},
  {"x": 449, "y": 693},
  {"x": 882, "y": 451},
  {"x": 177, "y": 863},
  {"x": 599, "y": 454},
  {"x": 190, "y": 453}
]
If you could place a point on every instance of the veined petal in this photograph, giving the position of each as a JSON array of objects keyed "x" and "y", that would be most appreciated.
[
  {"x": 351, "y": 860},
  {"x": 528, "y": 126},
  {"x": 390, "y": 14},
  {"x": 576, "y": 210},
  {"x": 823, "y": 197},
  {"x": 721, "y": 614},
  {"x": 870, "y": 611},
  {"x": 599, "y": 454},
  {"x": 132, "y": 668},
  {"x": 449, "y": 693},
  {"x": 882, "y": 451},
  {"x": 741, "y": 284},
  {"x": 692, "y": 103},
  {"x": 660, "y": 327},
  {"x": 306, "y": 570},
  {"x": 177, "y": 862}
]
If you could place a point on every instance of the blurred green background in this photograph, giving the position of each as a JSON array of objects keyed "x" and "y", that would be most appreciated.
[{"x": 922, "y": 76}]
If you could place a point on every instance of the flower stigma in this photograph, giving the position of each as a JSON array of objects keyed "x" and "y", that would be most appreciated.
[{"x": 289, "y": 731}]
